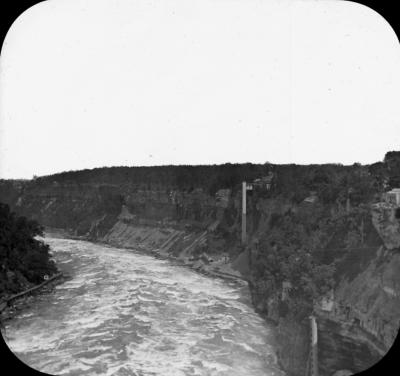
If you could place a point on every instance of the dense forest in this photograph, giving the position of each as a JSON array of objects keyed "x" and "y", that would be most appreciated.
[
  {"x": 329, "y": 180},
  {"x": 24, "y": 260}
]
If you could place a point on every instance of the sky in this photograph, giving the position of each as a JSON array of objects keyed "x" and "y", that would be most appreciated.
[{"x": 92, "y": 83}]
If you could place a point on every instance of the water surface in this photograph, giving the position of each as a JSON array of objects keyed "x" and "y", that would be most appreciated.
[{"x": 125, "y": 313}]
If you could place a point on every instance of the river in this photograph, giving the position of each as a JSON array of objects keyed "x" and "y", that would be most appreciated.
[{"x": 126, "y": 313}]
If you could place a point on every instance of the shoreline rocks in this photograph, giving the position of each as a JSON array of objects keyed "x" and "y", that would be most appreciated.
[{"x": 10, "y": 306}]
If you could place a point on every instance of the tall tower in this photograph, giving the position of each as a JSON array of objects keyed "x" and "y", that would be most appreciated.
[{"x": 244, "y": 189}]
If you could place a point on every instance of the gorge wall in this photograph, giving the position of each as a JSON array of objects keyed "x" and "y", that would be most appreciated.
[{"x": 357, "y": 315}]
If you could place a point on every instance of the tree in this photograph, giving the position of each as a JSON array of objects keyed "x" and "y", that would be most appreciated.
[
  {"x": 22, "y": 257},
  {"x": 392, "y": 163}
]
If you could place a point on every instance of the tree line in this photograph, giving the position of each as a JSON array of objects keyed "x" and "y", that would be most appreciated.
[{"x": 331, "y": 181}]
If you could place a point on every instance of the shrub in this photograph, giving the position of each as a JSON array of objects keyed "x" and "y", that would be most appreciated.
[{"x": 20, "y": 252}]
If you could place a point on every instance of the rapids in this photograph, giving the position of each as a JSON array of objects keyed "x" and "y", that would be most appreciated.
[{"x": 127, "y": 313}]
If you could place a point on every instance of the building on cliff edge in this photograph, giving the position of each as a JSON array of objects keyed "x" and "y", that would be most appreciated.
[{"x": 393, "y": 196}]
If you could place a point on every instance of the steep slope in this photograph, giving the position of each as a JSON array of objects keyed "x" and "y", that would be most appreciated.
[{"x": 320, "y": 240}]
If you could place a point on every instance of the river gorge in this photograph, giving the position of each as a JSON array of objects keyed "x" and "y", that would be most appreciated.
[
  {"x": 320, "y": 239},
  {"x": 127, "y": 313}
]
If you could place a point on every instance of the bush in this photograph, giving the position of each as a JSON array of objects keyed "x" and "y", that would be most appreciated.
[{"x": 20, "y": 252}]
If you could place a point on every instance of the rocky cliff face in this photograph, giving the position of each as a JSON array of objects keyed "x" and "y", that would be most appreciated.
[
  {"x": 205, "y": 229},
  {"x": 359, "y": 321},
  {"x": 77, "y": 206}
]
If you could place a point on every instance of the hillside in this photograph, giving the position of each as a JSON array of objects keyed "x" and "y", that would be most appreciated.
[{"x": 322, "y": 239}]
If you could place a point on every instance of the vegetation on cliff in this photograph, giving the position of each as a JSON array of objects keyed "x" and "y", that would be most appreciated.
[
  {"x": 306, "y": 244},
  {"x": 24, "y": 260},
  {"x": 286, "y": 253},
  {"x": 310, "y": 232},
  {"x": 311, "y": 245}
]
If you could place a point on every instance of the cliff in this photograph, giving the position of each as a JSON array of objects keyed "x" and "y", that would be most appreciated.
[{"x": 320, "y": 239}]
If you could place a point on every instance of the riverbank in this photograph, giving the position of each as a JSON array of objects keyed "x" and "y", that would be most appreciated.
[
  {"x": 11, "y": 305},
  {"x": 198, "y": 266},
  {"x": 160, "y": 247}
]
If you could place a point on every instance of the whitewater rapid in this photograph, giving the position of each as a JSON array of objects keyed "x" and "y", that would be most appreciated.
[{"x": 125, "y": 313}]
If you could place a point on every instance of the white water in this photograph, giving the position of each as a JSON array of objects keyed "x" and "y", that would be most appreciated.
[{"x": 125, "y": 313}]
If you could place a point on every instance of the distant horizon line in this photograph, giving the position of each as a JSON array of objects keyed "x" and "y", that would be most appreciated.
[{"x": 34, "y": 176}]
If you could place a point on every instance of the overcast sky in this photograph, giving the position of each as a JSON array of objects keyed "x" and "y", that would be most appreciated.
[{"x": 91, "y": 83}]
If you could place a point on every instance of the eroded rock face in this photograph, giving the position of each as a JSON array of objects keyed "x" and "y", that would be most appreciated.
[
  {"x": 344, "y": 346},
  {"x": 78, "y": 206},
  {"x": 360, "y": 326},
  {"x": 367, "y": 307},
  {"x": 293, "y": 346},
  {"x": 372, "y": 299}
]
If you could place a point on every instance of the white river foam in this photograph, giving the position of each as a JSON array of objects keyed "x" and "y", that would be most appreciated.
[{"x": 125, "y": 313}]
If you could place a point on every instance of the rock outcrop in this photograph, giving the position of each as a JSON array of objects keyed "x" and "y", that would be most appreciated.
[{"x": 202, "y": 229}]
